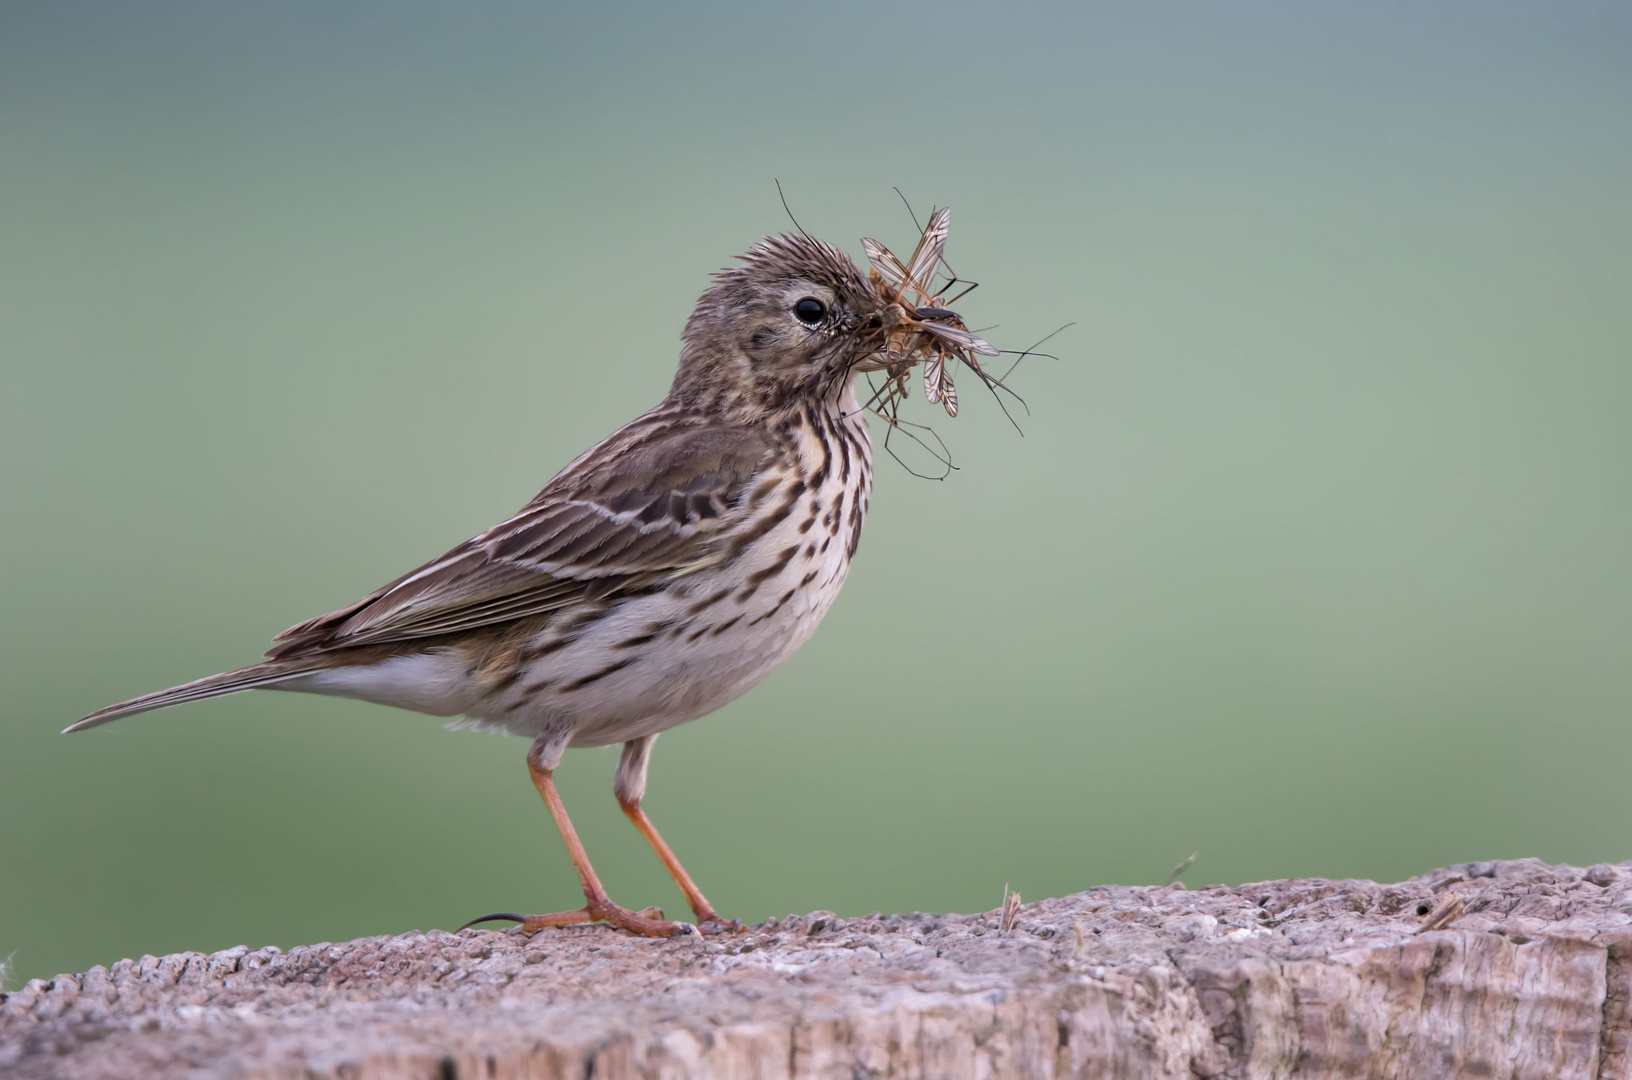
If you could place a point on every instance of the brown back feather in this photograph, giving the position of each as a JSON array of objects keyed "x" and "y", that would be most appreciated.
[{"x": 650, "y": 503}]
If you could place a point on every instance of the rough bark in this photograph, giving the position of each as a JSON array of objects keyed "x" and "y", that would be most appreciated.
[{"x": 1506, "y": 969}]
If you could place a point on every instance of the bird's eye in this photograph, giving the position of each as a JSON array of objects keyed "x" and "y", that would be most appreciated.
[{"x": 809, "y": 310}]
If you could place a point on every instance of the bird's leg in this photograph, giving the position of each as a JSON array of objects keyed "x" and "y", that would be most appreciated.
[
  {"x": 629, "y": 786},
  {"x": 694, "y": 896},
  {"x": 598, "y": 906}
]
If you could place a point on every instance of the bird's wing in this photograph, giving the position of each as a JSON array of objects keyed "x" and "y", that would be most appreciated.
[{"x": 653, "y": 502}]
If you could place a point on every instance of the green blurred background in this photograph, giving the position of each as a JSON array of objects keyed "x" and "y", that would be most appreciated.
[{"x": 1314, "y": 555}]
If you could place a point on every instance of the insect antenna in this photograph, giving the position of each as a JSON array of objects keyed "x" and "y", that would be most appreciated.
[
  {"x": 791, "y": 218},
  {"x": 886, "y": 394},
  {"x": 956, "y": 280},
  {"x": 908, "y": 205},
  {"x": 890, "y": 414},
  {"x": 943, "y": 455},
  {"x": 890, "y": 393},
  {"x": 1032, "y": 352},
  {"x": 994, "y": 384}
]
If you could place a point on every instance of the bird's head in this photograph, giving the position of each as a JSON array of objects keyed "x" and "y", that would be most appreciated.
[{"x": 795, "y": 321}]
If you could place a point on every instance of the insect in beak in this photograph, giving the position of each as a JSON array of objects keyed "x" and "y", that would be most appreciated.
[{"x": 925, "y": 330}]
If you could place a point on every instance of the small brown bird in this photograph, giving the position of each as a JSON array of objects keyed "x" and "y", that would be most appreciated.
[{"x": 660, "y": 575}]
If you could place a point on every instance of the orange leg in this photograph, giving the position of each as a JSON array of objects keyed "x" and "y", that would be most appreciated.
[
  {"x": 629, "y": 786},
  {"x": 599, "y": 906},
  {"x": 694, "y": 896}
]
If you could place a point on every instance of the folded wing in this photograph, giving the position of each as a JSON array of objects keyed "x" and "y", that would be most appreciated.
[{"x": 654, "y": 509}]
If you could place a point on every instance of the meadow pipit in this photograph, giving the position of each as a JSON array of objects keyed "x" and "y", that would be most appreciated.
[{"x": 660, "y": 575}]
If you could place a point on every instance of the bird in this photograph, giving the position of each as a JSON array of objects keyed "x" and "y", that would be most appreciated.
[{"x": 659, "y": 575}]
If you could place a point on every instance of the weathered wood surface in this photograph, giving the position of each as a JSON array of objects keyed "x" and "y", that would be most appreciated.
[{"x": 1526, "y": 975}]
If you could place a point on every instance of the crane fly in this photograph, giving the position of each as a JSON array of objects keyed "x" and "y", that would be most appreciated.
[
  {"x": 918, "y": 326},
  {"x": 928, "y": 331}
]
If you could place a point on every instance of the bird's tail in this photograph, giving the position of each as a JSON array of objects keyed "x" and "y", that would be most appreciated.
[{"x": 228, "y": 682}]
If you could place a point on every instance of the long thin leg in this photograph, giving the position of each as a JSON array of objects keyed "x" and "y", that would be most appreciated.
[
  {"x": 694, "y": 896},
  {"x": 630, "y": 786},
  {"x": 599, "y": 906}
]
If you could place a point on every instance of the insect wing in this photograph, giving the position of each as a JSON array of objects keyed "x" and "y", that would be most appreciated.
[
  {"x": 963, "y": 339},
  {"x": 938, "y": 388},
  {"x": 934, "y": 370},
  {"x": 888, "y": 266},
  {"x": 927, "y": 255}
]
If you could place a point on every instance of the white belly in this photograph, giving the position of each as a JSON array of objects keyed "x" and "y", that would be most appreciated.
[{"x": 717, "y": 655}]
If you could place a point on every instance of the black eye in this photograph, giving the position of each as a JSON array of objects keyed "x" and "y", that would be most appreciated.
[{"x": 809, "y": 310}]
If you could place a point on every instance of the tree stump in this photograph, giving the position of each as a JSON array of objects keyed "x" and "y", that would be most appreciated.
[{"x": 1500, "y": 969}]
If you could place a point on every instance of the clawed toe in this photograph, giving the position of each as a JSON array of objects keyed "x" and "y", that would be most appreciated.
[
  {"x": 506, "y": 916},
  {"x": 641, "y": 922},
  {"x": 648, "y": 922}
]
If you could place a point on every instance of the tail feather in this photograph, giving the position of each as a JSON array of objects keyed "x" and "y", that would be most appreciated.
[{"x": 228, "y": 682}]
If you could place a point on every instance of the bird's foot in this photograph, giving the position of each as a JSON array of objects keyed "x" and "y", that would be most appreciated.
[
  {"x": 710, "y": 923},
  {"x": 647, "y": 923}
]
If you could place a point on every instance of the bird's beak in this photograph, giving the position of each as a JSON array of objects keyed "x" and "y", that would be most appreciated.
[{"x": 885, "y": 321}]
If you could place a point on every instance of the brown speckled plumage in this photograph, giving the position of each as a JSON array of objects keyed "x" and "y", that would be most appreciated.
[{"x": 661, "y": 574}]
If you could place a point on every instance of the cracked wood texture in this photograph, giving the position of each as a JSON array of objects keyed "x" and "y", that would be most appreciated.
[{"x": 1500, "y": 969}]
